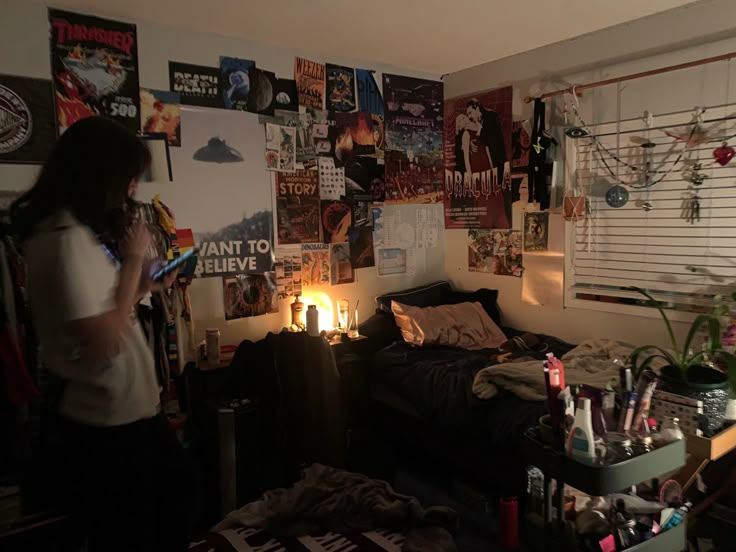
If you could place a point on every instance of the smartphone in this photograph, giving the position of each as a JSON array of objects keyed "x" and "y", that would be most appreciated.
[{"x": 173, "y": 265}]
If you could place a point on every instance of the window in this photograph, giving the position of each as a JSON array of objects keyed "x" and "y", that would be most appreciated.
[{"x": 649, "y": 242}]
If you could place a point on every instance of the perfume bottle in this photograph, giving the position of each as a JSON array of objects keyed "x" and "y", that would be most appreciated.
[{"x": 297, "y": 313}]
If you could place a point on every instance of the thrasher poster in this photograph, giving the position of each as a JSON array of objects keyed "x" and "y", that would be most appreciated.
[
  {"x": 297, "y": 207},
  {"x": 340, "y": 88},
  {"x": 413, "y": 139},
  {"x": 310, "y": 83},
  {"x": 196, "y": 84},
  {"x": 27, "y": 120},
  {"x": 477, "y": 160},
  {"x": 94, "y": 63}
]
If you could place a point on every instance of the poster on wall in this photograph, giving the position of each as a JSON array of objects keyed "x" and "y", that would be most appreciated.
[
  {"x": 234, "y": 82},
  {"x": 341, "y": 268},
  {"x": 413, "y": 139},
  {"x": 536, "y": 231},
  {"x": 262, "y": 96},
  {"x": 340, "y": 88},
  {"x": 297, "y": 207},
  {"x": 477, "y": 160},
  {"x": 336, "y": 221},
  {"x": 361, "y": 247},
  {"x": 27, "y": 120},
  {"x": 247, "y": 295},
  {"x": 520, "y": 144},
  {"x": 331, "y": 179},
  {"x": 94, "y": 63},
  {"x": 280, "y": 147},
  {"x": 495, "y": 251},
  {"x": 196, "y": 84},
  {"x": 223, "y": 192},
  {"x": 161, "y": 112},
  {"x": 310, "y": 83},
  {"x": 288, "y": 269},
  {"x": 315, "y": 264},
  {"x": 286, "y": 96},
  {"x": 353, "y": 136},
  {"x": 369, "y": 96}
]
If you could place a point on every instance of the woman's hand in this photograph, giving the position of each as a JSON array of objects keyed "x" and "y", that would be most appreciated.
[{"x": 147, "y": 282}]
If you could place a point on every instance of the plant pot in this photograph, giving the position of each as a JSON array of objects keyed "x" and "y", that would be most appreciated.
[{"x": 704, "y": 384}]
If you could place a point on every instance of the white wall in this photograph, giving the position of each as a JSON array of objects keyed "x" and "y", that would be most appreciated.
[
  {"x": 554, "y": 67},
  {"x": 24, "y": 51}
]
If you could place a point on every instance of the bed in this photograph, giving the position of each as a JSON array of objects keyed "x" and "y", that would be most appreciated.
[{"x": 419, "y": 409}]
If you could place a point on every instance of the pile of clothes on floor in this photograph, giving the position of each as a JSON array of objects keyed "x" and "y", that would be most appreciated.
[{"x": 335, "y": 510}]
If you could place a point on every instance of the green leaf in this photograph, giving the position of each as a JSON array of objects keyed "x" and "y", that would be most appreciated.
[
  {"x": 639, "y": 366},
  {"x": 714, "y": 333},
  {"x": 656, "y": 304}
]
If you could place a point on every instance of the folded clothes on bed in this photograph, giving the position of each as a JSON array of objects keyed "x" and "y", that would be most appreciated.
[
  {"x": 340, "y": 501},
  {"x": 589, "y": 363}
]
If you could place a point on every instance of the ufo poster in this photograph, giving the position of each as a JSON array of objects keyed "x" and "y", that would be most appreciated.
[
  {"x": 196, "y": 84},
  {"x": 27, "y": 119},
  {"x": 234, "y": 82},
  {"x": 221, "y": 191},
  {"x": 340, "y": 88},
  {"x": 94, "y": 66}
]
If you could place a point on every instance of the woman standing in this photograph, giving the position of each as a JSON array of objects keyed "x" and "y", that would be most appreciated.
[{"x": 85, "y": 255}]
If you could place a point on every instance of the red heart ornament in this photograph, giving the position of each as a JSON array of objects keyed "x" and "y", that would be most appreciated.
[{"x": 724, "y": 154}]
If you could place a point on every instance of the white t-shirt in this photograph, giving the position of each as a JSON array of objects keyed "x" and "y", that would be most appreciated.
[{"x": 71, "y": 278}]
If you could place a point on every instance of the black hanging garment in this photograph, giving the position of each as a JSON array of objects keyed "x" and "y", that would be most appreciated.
[{"x": 537, "y": 170}]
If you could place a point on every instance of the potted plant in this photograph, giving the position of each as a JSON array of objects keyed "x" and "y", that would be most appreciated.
[{"x": 688, "y": 368}]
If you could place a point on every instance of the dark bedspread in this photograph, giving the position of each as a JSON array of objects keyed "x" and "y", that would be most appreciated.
[{"x": 437, "y": 381}]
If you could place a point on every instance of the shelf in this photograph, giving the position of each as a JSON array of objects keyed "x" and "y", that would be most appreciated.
[
  {"x": 602, "y": 480},
  {"x": 672, "y": 540},
  {"x": 712, "y": 448}
]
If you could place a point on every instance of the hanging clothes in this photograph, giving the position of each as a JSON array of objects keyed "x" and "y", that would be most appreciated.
[{"x": 537, "y": 170}]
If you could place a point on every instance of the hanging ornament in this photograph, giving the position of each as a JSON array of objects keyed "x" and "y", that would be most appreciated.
[
  {"x": 617, "y": 196},
  {"x": 538, "y": 147},
  {"x": 576, "y": 132},
  {"x": 724, "y": 154},
  {"x": 693, "y": 174},
  {"x": 647, "y": 206},
  {"x": 691, "y": 207}
]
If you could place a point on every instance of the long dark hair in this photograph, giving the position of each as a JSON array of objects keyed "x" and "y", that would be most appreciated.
[{"x": 88, "y": 173}]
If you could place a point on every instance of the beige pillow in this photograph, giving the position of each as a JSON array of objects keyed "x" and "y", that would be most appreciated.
[{"x": 464, "y": 325}]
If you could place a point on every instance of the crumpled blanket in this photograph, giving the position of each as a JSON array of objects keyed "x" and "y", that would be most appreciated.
[
  {"x": 589, "y": 363},
  {"x": 342, "y": 501}
]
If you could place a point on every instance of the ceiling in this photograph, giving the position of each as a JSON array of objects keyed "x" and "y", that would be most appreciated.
[{"x": 436, "y": 36}]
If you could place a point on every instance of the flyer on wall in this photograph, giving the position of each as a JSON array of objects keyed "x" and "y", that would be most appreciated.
[
  {"x": 336, "y": 220},
  {"x": 297, "y": 207},
  {"x": 196, "y": 84},
  {"x": 161, "y": 112},
  {"x": 94, "y": 63},
  {"x": 340, "y": 88},
  {"x": 280, "y": 147},
  {"x": 247, "y": 295},
  {"x": 341, "y": 268},
  {"x": 413, "y": 139},
  {"x": 477, "y": 160},
  {"x": 495, "y": 251},
  {"x": 310, "y": 83},
  {"x": 288, "y": 269},
  {"x": 315, "y": 264},
  {"x": 27, "y": 119}
]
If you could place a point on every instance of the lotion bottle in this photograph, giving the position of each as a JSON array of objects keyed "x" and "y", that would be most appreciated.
[
  {"x": 580, "y": 443},
  {"x": 312, "y": 320}
]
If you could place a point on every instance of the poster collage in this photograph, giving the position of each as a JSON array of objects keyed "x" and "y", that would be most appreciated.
[{"x": 341, "y": 148}]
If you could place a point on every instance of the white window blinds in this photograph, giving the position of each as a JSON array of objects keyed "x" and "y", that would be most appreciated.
[{"x": 649, "y": 242}]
